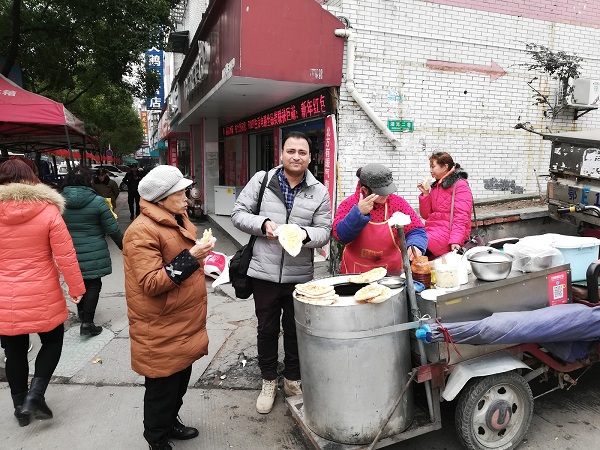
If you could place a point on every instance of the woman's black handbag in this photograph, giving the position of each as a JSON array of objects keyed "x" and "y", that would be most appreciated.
[{"x": 238, "y": 266}]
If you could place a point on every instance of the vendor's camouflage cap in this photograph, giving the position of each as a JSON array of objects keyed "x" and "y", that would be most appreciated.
[{"x": 378, "y": 178}]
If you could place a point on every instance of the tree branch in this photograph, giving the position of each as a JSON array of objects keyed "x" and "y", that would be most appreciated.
[{"x": 15, "y": 39}]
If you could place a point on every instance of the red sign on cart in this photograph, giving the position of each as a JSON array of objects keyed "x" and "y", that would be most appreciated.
[{"x": 557, "y": 288}]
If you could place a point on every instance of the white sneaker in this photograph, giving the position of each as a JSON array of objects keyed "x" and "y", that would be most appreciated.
[
  {"x": 292, "y": 387},
  {"x": 266, "y": 398}
]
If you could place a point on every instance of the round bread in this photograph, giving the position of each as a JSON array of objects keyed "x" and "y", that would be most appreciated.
[
  {"x": 318, "y": 301},
  {"x": 385, "y": 295},
  {"x": 368, "y": 292},
  {"x": 206, "y": 236},
  {"x": 372, "y": 275},
  {"x": 290, "y": 238},
  {"x": 314, "y": 290}
]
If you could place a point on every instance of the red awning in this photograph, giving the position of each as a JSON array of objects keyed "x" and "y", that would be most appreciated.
[{"x": 36, "y": 122}]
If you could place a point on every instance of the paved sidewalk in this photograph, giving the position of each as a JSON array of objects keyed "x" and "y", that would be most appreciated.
[{"x": 97, "y": 398}]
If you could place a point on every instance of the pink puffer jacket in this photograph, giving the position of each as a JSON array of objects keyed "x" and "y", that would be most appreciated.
[
  {"x": 435, "y": 209},
  {"x": 35, "y": 244}
]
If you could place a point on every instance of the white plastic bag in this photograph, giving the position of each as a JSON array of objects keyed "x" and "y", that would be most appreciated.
[
  {"x": 215, "y": 264},
  {"x": 533, "y": 254}
]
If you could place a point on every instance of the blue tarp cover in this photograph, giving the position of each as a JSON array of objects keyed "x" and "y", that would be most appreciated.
[{"x": 566, "y": 325}]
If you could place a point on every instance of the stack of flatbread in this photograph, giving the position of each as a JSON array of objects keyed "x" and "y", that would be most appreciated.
[
  {"x": 316, "y": 294},
  {"x": 373, "y": 293},
  {"x": 371, "y": 276},
  {"x": 290, "y": 238}
]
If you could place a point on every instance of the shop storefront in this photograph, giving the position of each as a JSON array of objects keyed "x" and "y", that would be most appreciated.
[
  {"x": 238, "y": 100},
  {"x": 254, "y": 143}
]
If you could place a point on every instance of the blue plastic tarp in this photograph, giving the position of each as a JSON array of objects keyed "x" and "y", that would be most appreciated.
[{"x": 563, "y": 325}]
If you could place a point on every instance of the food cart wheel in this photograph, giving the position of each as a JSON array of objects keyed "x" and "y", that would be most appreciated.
[{"x": 494, "y": 412}]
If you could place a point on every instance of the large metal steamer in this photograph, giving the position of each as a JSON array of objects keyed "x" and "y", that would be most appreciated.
[{"x": 354, "y": 362}]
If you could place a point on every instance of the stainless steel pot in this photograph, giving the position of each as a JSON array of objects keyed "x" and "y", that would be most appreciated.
[{"x": 491, "y": 265}]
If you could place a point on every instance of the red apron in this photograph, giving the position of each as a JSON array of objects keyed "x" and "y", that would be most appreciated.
[{"x": 375, "y": 246}]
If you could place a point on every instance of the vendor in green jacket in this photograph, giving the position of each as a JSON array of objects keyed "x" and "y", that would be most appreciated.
[{"x": 89, "y": 220}]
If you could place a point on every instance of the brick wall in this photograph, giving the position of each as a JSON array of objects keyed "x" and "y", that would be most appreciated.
[
  {"x": 575, "y": 12},
  {"x": 462, "y": 111}
]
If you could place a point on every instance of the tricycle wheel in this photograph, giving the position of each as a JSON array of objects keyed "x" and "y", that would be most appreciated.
[{"x": 494, "y": 412}]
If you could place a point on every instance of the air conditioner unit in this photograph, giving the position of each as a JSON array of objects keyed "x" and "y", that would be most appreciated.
[{"x": 586, "y": 92}]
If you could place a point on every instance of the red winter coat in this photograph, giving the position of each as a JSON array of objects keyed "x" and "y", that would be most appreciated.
[
  {"x": 35, "y": 243},
  {"x": 435, "y": 209}
]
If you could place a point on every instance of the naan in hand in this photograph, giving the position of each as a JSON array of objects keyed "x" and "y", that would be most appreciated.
[{"x": 290, "y": 238}]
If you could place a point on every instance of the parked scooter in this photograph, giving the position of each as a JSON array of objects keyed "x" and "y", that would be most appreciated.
[{"x": 194, "y": 201}]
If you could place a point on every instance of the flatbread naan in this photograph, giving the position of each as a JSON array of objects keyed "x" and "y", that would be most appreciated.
[
  {"x": 290, "y": 238},
  {"x": 314, "y": 290},
  {"x": 318, "y": 301},
  {"x": 368, "y": 292},
  {"x": 372, "y": 275},
  {"x": 206, "y": 236},
  {"x": 385, "y": 295}
]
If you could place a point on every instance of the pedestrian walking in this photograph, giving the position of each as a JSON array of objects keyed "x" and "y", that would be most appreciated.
[
  {"x": 446, "y": 205},
  {"x": 361, "y": 224},
  {"x": 35, "y": 246},
  {"x": 132, "y": 180},
  {"x": 166, "y": 301},
  {"x": 292, "y": 196},
  {"x": 105, "y": 187},
  {"x": 89, "y": 220}
]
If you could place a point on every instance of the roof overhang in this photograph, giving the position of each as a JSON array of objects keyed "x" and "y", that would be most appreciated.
[{"x": 237, "y": 97}]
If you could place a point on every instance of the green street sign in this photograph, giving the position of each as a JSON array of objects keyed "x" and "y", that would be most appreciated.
[{"x": 403, "y": 126}]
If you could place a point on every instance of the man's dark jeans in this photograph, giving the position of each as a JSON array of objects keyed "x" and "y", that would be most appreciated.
[{"x": 270, "y": 299}]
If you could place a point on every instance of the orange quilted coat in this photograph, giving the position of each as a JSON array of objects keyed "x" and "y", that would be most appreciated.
[
  {"x": 35, "y": 244},
  {"x": 167, "y": 323}
]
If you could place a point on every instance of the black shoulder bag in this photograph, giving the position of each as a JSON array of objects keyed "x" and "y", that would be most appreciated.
[{"x": 238, "y": 266}]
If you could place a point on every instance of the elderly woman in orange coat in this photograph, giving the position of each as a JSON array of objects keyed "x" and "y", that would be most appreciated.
[
  {"x": 35, "y": 245},
  {"x": 166, "y": 300}
]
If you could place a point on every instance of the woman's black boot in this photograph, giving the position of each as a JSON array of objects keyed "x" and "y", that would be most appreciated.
[
  {"x": 18, "y": 404},
  {"x": 163, "y": 445},
  {"x": 89, "y": 329},
  {"x": 35, "y": 404}
]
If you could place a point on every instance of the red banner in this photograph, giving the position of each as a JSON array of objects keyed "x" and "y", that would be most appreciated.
[
  {"x": 244, "y": 166},
  {"x": 276, "y": 147},
  {"x": 144, "y": 119},
  {"x": 172, "y": 160},
  {"x": 230, "y": 162},
  {"x": 329, "y": 158}
]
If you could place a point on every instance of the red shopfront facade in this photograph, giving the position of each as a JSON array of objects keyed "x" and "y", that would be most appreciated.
[
  {"x": 254, "y": 71},
  {"x": 254, "y": 143}
]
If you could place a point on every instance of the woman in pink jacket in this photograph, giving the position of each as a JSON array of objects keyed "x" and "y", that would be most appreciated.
[
  {"x": 447, "y": 228},
  {"x": 35, "y": 244}
]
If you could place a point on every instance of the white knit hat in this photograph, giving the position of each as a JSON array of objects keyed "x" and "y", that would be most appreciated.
[{"x": 161, "y": 182}]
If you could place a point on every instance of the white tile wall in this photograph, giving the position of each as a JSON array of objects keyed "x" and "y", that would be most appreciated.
[{"x": 466, "y": 114}]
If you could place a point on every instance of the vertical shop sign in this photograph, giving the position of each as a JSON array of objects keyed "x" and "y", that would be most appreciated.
[
  {"x": 330, "y": 147},
  {"x": 230, "y": 161},
  {"x": 154, "y": 62},
  {"x": 172, "y": 152},
  {"x": 244, "y": 166},
  {"x": 144, "y": 119},
  {"x": 276, "y": 147}
]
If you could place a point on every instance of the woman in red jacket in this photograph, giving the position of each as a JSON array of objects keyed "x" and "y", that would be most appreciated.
[
  {"x": 35, "y": 244},
  {"x": 447, "y": 226}
]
